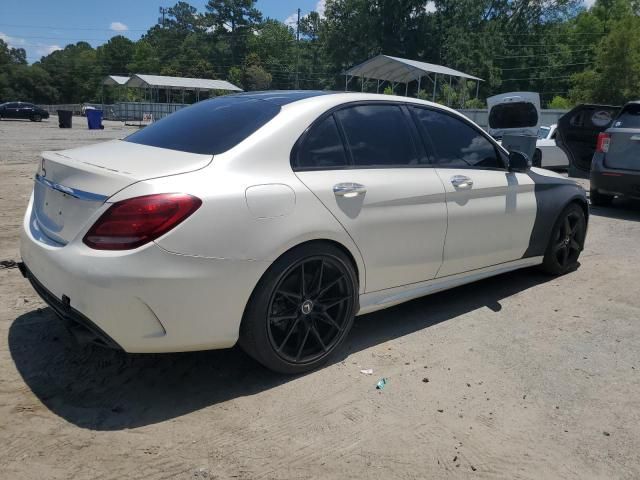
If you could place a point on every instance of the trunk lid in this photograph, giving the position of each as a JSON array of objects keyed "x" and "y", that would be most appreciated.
[
  {"x": 71, "y": 185},
  {"x": 514, "y": 113},
  {"x": 624, "y": 149}
]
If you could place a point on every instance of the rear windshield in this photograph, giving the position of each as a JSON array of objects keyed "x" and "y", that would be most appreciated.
[
  {"x": 628, "y": 118},
  {"x": 210, "y": 127},
  {"x": 513, "y": 115}
]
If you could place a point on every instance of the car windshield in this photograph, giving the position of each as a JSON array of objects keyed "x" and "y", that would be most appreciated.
[
  {"x": 208, "y": 127},
  {"x": 543, "y": 132},
  {"x": 513, "y": 115},
  {"x": 629, "y": 117}
]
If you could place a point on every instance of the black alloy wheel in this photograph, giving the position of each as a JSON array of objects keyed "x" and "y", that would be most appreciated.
[
  {"x": 302, "y": 309},
  {"x": 567, "y": 241},
  {"x": 309, "y": 309}
]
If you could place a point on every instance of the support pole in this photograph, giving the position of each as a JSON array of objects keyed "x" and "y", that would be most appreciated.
[
  {"x": 435, "y": 82},
  {"x": 362, "y": 84},
  {"x": 378, "y": 87},
  {"x": 450, "y": 87},
  {"x": 406, "y": 89},
  {"x": 419, "y": 81},
  {"x": 346, "y": 82},
  {"x": 477, "y": 88}
]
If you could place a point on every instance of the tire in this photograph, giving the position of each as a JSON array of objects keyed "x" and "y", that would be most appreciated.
[
  {"x": 599, "y": 199},
  {"x": 537, "y": 159},
  {"x": 36, "y": 118},
  {"x": 566, "y": 242},
  {"x": 285, "y": 326}
]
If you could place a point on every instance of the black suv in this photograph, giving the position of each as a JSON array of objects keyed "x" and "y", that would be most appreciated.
[{"x": 22, "y": 110}]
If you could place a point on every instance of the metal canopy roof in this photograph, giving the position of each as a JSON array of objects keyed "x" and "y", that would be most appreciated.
[
  {"x": 112, "y": 80},
  {"x": 401, "y": 70},
  {"x": 179, "y": 83}
]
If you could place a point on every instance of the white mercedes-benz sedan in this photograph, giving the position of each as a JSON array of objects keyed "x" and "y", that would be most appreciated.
[{"x": 271, "y": 219}]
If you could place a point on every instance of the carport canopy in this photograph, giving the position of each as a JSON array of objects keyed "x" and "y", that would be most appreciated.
[
  {"x": 115, "y": 80},
  {"x": 396, "y": 70},
  {"x": 179, "y": 83}
]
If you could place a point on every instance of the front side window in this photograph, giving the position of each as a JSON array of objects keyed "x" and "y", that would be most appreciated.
[
  {"x": 457, "y": 144},
  {"x": 378, "y": 136},
  {"x": 322, "y": 148}
]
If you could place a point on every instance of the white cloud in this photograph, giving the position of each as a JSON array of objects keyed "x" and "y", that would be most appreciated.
[
  {"x": 292, "y": 20},
  {"x": 13, "y": 42},
  {"x": 118, "y": 27},
  {"x": 430, "y": 7},
  {"x": 44, "y": 49},
  {"x": 588, "y": 3}
]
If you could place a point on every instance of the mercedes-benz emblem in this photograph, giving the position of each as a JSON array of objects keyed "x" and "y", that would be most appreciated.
[{"x": 306, "y": 307}]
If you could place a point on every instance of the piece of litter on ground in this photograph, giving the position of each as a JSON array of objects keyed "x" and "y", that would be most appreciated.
[
  {"x": 381, "y": 383},
  {"x": 425, "y": 380},
  {"x": 367, "y": 371}
]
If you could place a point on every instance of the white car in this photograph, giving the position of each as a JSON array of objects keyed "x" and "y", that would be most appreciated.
[
  {"x": 550, "y": 156},
  {"x": 274, "y": 218}
]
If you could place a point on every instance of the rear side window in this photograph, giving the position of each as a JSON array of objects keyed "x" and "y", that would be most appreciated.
[
  {"x": 628, "y": 118},
  {"x": 513, "y": 115},
  {"x": 322, "y": 147},
  {"x": 457, "y": 144},
  {"x": 378, "y": 136},
  {"x": 209, "y": 127}
]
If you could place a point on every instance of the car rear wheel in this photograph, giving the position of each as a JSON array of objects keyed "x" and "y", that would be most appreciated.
[
  {"x": 301, "y": 310},
  {"x": 36, "y": 118},
  {"x": 599, "y": 199},
  {"x": 567, "y": 241}
]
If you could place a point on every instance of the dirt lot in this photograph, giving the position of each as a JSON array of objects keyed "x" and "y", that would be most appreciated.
[{"x": 528, "y": 377}]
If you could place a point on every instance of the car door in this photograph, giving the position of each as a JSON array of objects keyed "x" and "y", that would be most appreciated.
[
  {"x": 366, "y": 165},
  {"x": 577, "y": 134},
  {"x": 552, "y": 155},
  {"x": 491, "y": 211},
  {"x": 11, "y": 111}
]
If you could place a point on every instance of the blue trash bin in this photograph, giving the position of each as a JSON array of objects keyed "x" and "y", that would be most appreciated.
[{"x": 94, "y": 119}]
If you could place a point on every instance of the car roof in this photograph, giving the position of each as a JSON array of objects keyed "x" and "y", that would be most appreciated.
[{"x": 282, "y": 97}]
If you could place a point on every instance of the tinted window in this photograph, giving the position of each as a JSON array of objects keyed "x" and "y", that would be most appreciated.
[
  {"x": 457, "y": 144},
  {"x": 513, "y": 115},
  {"x": 629, "y": 117},
  {"x": 378, "y": 135},
  {"x": 322, "y": 147},
  {"x": 209, "y": 127}
]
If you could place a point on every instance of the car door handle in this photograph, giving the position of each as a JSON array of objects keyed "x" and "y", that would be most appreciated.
[
  {"x": 348, "y": 189},
  {"x": 462, "y": 182}
]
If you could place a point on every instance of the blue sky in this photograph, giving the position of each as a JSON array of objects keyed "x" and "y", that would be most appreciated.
[{"x": 42, "y": 26}]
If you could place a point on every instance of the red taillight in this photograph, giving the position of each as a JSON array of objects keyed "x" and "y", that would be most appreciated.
[
  {"x": 131, "y": 223},
  {"x": 604, "y": 140}
]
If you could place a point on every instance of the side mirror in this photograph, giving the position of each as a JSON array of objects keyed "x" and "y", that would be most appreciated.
[{"x": 518, "y": 161}]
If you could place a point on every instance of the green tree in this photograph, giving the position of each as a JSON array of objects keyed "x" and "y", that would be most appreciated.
[{"x": 615, "y": 76}]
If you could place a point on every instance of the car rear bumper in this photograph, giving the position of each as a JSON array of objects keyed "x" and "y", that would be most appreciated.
[
  {"x": 143, "y": 300},
  {"x": 615, "y": 182},
  {"x": 83, "y": 329}
]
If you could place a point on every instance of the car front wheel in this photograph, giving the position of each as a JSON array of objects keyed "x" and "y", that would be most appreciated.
[
  {"x": 301, "y": 310},
  {"x": 567, "y": 241}
]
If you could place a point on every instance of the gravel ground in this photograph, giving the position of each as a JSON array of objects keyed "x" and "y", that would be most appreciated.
[{"x": 518, "y": 376}]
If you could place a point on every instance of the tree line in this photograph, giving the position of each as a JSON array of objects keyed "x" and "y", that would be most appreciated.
[{"x": 559, "y": 48}]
